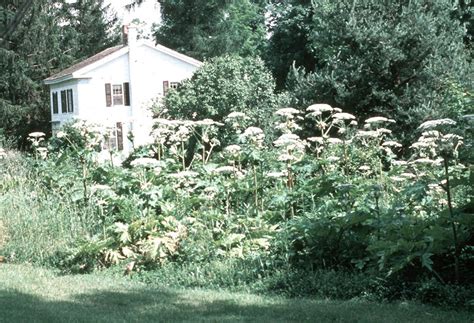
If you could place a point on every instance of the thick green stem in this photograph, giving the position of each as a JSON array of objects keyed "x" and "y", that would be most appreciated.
[{"x": 457, "y": 251}]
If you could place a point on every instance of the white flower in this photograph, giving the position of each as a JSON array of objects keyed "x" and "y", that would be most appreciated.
[
  {"x": 391, "y": 144},
  {"x": 145, "y": 162},
  {"x": 233, "y": 149},
  {"x": 333, "y": 158},
  {"x": 287, "y": 158},
  {"x": 236, "y": 115},
  {"x": 286, "y": 139},
  {"x": 337, "y": 110},
  {"x": 370, "y": 134},
  {"x": 36, "y": 134},
  {"x": 3, "y": 154},
  {"x": 287, "y": 112},
  {"x": 335, "y": 141},
  {"x": 184, "y": 174},
  {"x": 376, "y": 120},
  {"x": 398, "y": 178},
  {"x": 319, "y": 108},
  {"x": 364, "y": 168},
  {"x": 436, "y": 123},
  {"x": 208, "y": 122},
  {"x": 100, "y": 187},
  {"x": 431, "y": 133},
  {"x": 61, "y": 134},
  {"x": 353, "y": 123},
  {"x": 225, "y": 170},
  {"x": 252, "y": 131},
  {"x": 277, "y": 174},
  {"x": 319, "y": 140},
  {"x": 384, "y": 130},
  {"x": 343, "y": 116},
  {"x": 399, "y": 162},
  {"x": 408, "y": 175},
  {"x": 426, "y": 161}
]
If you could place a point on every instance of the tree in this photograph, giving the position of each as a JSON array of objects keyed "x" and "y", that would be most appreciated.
[
  {"x": 390, "y": 57},
  {"x": 92, "y": 25},
  {"x": 224, "y": 85},
  {"x": 205, "y": 29},
  {"x": 289, "y": 22},
  {"x": 42, "y": 42}
]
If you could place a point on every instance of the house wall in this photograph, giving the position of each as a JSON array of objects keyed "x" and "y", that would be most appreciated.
[
  {"x": 145, "y": 68},
  {"x": 61, "y": 118},
  {"x": 149, "y": 68}
]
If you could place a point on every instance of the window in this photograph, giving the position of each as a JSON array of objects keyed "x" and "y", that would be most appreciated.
[
  {"x": 55, "y": 103},
  {"x": 70, "y": 101},
  {"x": 169, "y": 85},
  {"x": 117, "y": 94},
  {"x": 67, "y": 101},
  {"x": 115, "y": 138}
]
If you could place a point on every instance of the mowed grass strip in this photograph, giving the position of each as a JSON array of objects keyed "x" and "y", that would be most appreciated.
[{"x": 29, "y": 294}]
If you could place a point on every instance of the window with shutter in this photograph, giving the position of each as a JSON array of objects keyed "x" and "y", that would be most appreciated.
[
  {"x": 108, "y": 95},
  {"x": 166, "y": 85},
  {"x": 63, "y": 101},
  {"x": 126, "y": 93},
  {"x": 55, "y": 103},
  {"x": 70, "y": 101}
]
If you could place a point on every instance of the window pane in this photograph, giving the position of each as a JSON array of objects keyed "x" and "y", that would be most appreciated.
[
  {"x": 70, "y": 101},
  {"x": 55, "y": 103},
  {"x": 117, "y": 94},
  {"x": 63, "y": 102}
]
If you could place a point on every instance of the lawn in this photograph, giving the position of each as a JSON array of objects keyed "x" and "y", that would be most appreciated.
[{"x": 29, "y": 294}]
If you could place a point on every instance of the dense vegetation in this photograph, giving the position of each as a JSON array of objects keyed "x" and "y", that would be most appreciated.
[{"x": 374, "y": 200}]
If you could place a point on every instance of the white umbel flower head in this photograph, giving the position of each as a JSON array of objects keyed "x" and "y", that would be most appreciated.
[
  {"x": 287, "y": 112},
  {"x": 318, "y": 109},
  {"x": 343, "y": 116},
  {"x": 145, "y": 162},
  {"x": 436, "y": 123},
  {"x": 376, "y": 120},
  {"x": 36, "y": 134}
]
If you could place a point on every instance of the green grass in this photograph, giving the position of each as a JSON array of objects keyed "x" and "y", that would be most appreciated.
[{"x": 29, "y": 294}]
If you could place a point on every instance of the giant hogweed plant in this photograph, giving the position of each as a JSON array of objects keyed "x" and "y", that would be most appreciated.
[{"x": 340, "y": 198}]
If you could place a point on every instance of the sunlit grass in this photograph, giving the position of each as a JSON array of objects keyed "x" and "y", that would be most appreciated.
[{"x": 29, "y": 294}]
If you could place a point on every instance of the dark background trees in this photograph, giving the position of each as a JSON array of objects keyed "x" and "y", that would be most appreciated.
[{"x": 38, "y": 39}]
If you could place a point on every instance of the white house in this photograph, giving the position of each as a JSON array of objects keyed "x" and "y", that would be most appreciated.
[{"x": 115, "y": 88}]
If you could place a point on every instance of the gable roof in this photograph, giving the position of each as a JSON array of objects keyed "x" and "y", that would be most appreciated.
[
  {"x": 84, "y": 63},
  {"x": 106, "y": 55}
]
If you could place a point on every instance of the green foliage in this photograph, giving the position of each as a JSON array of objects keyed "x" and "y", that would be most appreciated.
[
  {"x": 373, "y": 57},
  {"x": 266, "y": 212},
  {"x": 37, "y": 48},
  {"x": 224, "y": 85},
  {"x": 205, "y": 29}
]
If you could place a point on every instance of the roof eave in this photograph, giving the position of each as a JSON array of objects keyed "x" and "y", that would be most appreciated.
[{"x": 64, "y": 78}]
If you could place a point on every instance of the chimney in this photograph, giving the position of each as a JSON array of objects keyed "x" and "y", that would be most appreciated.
[
  {"x": 125, "y": 35},
  {"x": 132, "y": 34}
]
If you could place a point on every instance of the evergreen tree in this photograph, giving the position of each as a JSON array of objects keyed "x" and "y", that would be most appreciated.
[
  {"x": 204, "y": 29},
  {"x": 389, "y": 57},
  {"x": 42, "y": 42}
]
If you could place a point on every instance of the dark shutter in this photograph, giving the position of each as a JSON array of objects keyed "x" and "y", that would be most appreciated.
[
  {"x": 119, "y": 136},
  {"x": 126, "y": 93},
  {"x": 166, "y": 86},
  {"x": 70, "y": 101},
  {"x": 108, "y": 94},
  {"x": 63, "y": 101},
  {"x": 55, "y": 103}
]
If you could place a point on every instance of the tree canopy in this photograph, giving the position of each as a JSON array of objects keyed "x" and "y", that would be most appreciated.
[
  {"x": 40, "y": 38},
  {"x": 205, "y": 29}
]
